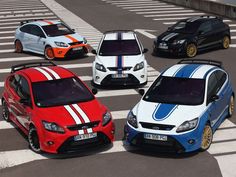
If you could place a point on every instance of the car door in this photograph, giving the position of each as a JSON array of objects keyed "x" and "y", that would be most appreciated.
[
  {"x": 20, "y": 106},
  {"x": 205, "y": 35},
  {"x": 216, "y": 95},
  {"x": 25, "y": 37},
  {"x": 38, "y": 39}
]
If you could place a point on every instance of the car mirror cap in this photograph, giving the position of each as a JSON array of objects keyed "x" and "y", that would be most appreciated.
[
  {"x": 94, "y": 91},
  {"x": 141, "y": 91}
]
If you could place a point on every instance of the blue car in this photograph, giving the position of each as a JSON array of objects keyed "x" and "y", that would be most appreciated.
[{"x": 182, "y": 108}]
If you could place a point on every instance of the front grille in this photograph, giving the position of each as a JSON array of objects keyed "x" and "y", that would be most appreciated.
[
  {"x": 70, "y": 146},
  {"x": 130, "y": 80},
  {"x": 157, "y": 126},
  {"x": 116, "y": 68},
  {"x": 76, "y": 43},
  {"x": 83, "y": 126}
]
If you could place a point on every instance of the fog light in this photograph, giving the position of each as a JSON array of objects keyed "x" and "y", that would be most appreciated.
[
  {"x": 50, "y": 143},
  {"x": 142, "y": 76},
  {"x": 97, "y": 77},
  {"x": 191, "y": 141}
]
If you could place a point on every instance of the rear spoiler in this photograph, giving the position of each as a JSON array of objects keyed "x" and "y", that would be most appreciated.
[
  {"x": 30, "y": 65},
  {"x": 30, "y": 20},
  {"x": 201, "y": 61}
]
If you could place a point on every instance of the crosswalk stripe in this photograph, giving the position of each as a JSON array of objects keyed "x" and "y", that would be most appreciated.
[
  {"x": 19, "y": 6},
  {"x": 233, "y": 37},
  {"x": 20, "y": 59},
  {"x": 233, "y": 31},
  {"x": 26, "y": 15},
  {"x": 18, "y": 12},
  {"x": 29, "y": 18},
  {"x": 22, "y": 8},
  {"x": 5, "y": 32},
  {"x": 13, "y": 158},
  {"x": 6, "y": 43},
  {"x": 10, "y": 23},
  {"x": 157, "y": 9},
  {"x": 232, "y": 45},
  {"x": 138, "y": 7},
  {"x": 172, "y": 23},
  {"x": 128, "y": 1},
  {"x": 162, "y": 12},
  {"x": 109, "y": 93},
  {"x": 174, "y": 15},
  {"x": 173, "y": 18},
  {"x": 7, "y": 51},
  {"x": 8, "y": 27},
  {"x": 138, "y": 3},
  {"x": 232, "y": 25},
  {"x": 223, "y": 147}
]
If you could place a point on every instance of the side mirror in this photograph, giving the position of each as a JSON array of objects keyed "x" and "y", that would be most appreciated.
[
  {"x": 141, "y": 91},
  {"x": 145, "y": 50},
  {"x": 214, "y": 98},
  {"x": 73, "y": 30},
  {"x": 200, "y": 32},
  {"x": 94, "y": 91},
  {"x": 25, "y": 101},
  {"x": 94, "y": 52}
]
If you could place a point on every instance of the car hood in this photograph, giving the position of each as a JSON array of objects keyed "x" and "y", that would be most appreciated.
[
  {"x": 168, "y": 114},
  {"x": 68, "y": 38},
  {"x": 127, "y": 61},
  {"x": 171, "y": 36},
  {"x": 60, "y": 114}
]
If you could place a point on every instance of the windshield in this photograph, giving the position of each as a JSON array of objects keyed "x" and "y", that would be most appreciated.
[
  {"x": 184, "y": 27},
  {"x": 57, "y": 30},
  {"x": 173, "y": 90},
  {"x": 60, "y": 92},
  {"x": 119, "y": 47}
]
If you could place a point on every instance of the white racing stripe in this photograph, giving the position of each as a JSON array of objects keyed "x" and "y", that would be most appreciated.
[
  {"x": 44, "y": 73},
  {"x": 74, "y": 116},
  {"x": 52, "y": 72},
  {"x": 84, "y": 116}
]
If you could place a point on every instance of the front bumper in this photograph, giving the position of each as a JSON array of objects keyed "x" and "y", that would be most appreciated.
[
  {"x": 178, "y": 49},
  {"x": 64, "y": 143},
  {"x": 71, "y": 51},
  {"x": 133, "y": 78},
  {"x": 187, "y": 142}
]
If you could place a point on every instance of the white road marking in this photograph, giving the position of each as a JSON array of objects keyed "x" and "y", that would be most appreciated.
[
  {"x": 141, "y": 4},
  {"x": 7, "y": 51},
  {"x": 146, "y": 33},
  {"x": 174, "y": 15},
  {"x": 172, "y": 23},
  {"x": 224, "y": 147},
  {"x": 157, "y": 9},
  {"x": 5, "y": 32},
  {"x": 20, "y": 59},
  {"x": 22, "y": 8},
  {"x": 173, "y": 18},
  {"x": 233, "y": 37},
  {"x": 7, "y": 27},
  {"x": 109, "y": 93},
  {"x": 233, "y": 31},
  {"x": 227, "y": 164},
  {"x": 232, "y": 25},
  {"x": 29, "y": 18},
  {"x": 232, "y": 45},
  {"x": 26, "y": 15},
  {"x": 6, "y": 43},
  {"x": 148, "y": 7},
  {"x": 163, "y": 12}
]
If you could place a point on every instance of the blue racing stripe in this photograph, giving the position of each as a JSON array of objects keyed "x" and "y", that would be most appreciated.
[
  {"x": 119, "y": 36},
  {"x": 119, "y": 64},
  {"x": 187, "y": 70},
  {"x": 163, "y": 111}
]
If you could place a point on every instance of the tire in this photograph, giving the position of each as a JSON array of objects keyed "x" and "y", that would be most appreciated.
[
  {"x": 48, "y": 53},
  {"x": 5, "y": 111},
  {"x": 207, "y": 136},
  {"x": 231, "y": 107},
  {"x": 34, "y": 140},
  {"x": 191, "y": 50},
  {"x": 18, "y": 46},
  {"x": 225, "y": 42}
]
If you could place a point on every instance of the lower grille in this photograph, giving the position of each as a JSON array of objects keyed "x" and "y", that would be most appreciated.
[{"x": 130, "y": 80}]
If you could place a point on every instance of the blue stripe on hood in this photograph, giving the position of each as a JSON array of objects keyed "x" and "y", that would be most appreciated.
[
  {"x": 119, "y": 64},
  {"x": 163, "y": 111},
  {"x": 187, "y": 71}
]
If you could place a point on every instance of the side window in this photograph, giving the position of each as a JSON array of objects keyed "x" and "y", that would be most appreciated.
[
  {"x": 221, "y": 77},
  {"x": 23, "y": 88},
  {"x": 35, "y": 30},
  {"x": 212, "y": 85},
  {"x": 205, "y": 27},
  {"x": 14, "y": 81},
  {"x": 25, "y": 28}
]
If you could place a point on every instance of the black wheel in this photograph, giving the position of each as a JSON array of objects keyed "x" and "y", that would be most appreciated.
[
  {"x": 225, "y": 42},
  {"x": 207, "y": 136},
  {"x": 34, "y": 140},
  {"x": 231, "y": 106},
  {"x": 48, "y": 53},
  {"x": 18, "y": 47},
  {"x": 191, "y": 50},
  {"x": 5, "y": 111}
]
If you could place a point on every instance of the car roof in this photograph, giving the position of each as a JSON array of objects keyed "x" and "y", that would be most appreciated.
[
  {"x": 119, "y": 35},
  {"x": 197, "y": 70},
  {"x": 201, "y": 19},
  {"x": 41, "y": 22},
  {"x": 38, "y": 72}
]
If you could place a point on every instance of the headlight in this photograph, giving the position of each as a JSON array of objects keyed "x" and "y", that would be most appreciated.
[
  {"x": 85, "y": 40},
  {"x": 53, "y": 127},
  {"x": 139, "y": 66},
  {"x": 61, "y": 44},
  {"x": 187, "y": 125},
  {"x": 132, "y": 119},
  {"x": 100, "y": 67},
  {"x": 106, "y": 118},
  {"x": 178, "y": 42}
]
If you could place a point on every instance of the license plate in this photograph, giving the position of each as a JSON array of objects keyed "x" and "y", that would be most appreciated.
[
  {"x": 163, "y": 46},
  {"x": 155, "y": 137},
  {"x": 85, "y": 136},
  {"x": 119, "y": 75},
  {"x": 77, "y": 48}
]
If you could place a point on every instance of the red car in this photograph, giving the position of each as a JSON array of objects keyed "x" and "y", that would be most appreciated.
[{"x": 55, "y": 109}]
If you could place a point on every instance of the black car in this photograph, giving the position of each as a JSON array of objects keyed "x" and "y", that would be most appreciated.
[{"x": 189, "y": 36}]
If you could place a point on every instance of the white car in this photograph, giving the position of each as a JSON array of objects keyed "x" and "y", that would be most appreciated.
[
  {"x": 119, "y": 60},
  {"x": 53, "y": 39},
  {"x": 183, "y": 107}
]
